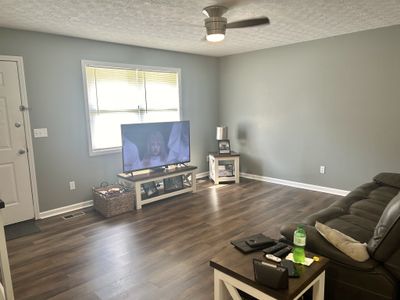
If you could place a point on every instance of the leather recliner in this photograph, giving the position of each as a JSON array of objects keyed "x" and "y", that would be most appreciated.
[{"x": 369, "y": 214}]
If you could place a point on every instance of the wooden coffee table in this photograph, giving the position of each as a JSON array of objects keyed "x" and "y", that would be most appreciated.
[{"x": 234, "y": 270}]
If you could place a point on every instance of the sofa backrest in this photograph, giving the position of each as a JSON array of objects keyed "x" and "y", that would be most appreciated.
[
  {"x": 391, "y": 179},
  {"x": 386, "y": 238}
]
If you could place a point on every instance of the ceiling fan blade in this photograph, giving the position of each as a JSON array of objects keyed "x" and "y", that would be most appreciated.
[{"x": 248, "y": 23}]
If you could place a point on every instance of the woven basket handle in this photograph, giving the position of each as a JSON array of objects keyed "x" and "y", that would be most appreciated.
[{"x": 104, "y": 184}]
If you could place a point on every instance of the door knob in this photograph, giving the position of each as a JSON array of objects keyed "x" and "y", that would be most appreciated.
[
  {"x": 17, "y": 124},
  {"x": 21, "y": 151}
]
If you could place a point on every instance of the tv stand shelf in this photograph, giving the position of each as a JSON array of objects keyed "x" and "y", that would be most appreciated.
[{"x": 189, "y": 185}]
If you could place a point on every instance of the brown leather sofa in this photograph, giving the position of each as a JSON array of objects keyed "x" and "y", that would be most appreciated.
[{"x": 370, "y": 214}]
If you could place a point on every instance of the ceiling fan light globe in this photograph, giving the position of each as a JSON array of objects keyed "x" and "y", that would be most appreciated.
[{"x": 215, "y": 37}]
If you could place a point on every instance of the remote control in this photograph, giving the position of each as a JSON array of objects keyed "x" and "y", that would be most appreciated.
[
  {"x": 275, "y": 248},
  {"x": 283, "y": 252},
  {"x": 273, "y": 258}
]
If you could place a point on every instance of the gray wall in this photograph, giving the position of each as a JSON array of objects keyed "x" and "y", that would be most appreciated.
[
  {"x": 55, "y": 95},
  {"x": 332, "y": 102},
  {"x": 290, "y": 109}
]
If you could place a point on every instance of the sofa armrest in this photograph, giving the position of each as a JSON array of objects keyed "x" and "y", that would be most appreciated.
[{"x": 318, "y": 245}]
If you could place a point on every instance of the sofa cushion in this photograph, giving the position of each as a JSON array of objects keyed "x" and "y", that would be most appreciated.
[
  {"x": 393, "y": 264},
  {"x": 324, "y": 215},
  {"x": 353, "y": 226},
  {"x": 375, "y": 197},
  {"x": 368, "y": 209},
  {"x": 387, "y": 232},
  {"x": 344, "y": 243},
  {"x": 391, "y": 179},
  {"x": 361, "y": 192}
]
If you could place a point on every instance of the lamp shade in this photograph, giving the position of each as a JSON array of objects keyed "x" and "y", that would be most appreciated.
[{"x": 222, "y": 133}]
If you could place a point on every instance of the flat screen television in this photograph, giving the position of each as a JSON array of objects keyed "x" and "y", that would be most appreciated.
[{"x": 154, "y": 145}]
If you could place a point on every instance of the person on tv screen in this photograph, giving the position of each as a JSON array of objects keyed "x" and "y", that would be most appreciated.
[
  {"x": 178, "y": 143},
  {"x": 156, "y": 152},
  {"x": 131, "y": 156}
]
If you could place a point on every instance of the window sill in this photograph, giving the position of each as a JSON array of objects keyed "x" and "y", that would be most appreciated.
[{"x": 105, "y": 151}]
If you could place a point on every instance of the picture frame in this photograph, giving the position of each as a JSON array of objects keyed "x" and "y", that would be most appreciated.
[
  {"x": 224, "y": 147},
  {"x": 150, "y": 189},
  {"x": 173, "y": 183}
]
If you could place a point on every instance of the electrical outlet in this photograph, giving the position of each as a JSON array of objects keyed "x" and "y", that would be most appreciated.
[
  {"x": 322, "y": 169},
  {"x": 72, "y": 185}
]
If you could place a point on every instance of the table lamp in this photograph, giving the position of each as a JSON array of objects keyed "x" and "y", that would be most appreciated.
[
  {"x": 222, "y": 133},
  {"x": 224, "y": 146}
]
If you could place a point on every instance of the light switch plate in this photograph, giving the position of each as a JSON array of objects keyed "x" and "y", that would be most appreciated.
[
  {"x": 40, "y": 132},
  {"x": 72, "y": 185},
  {"x": 322, "y": 169}
]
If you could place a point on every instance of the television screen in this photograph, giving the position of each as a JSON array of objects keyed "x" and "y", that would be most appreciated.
[{"x": 152, "y": 145}]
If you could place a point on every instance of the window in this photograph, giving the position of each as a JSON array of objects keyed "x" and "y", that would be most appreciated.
[{"x": 124, "y": 94}]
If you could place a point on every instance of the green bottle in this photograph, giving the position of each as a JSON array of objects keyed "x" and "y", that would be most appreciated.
[{"x": 299, "y": 241}]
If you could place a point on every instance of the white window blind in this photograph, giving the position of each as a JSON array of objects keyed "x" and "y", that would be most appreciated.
[{"x": 119, "y": 95}]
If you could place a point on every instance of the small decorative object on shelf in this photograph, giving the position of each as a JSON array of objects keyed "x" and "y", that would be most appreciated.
[
  {"x": 224, "y": 147},
  {"x": 150, "y": 189},
  {"x": 113, "y": 200},
  {"x": 173, "y": 183}
]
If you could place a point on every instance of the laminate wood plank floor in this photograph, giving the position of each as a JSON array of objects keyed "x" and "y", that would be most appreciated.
[{"x": 160, "y": 252}]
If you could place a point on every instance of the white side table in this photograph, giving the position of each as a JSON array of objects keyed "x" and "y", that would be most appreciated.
[{"x": 224, "y": 167}]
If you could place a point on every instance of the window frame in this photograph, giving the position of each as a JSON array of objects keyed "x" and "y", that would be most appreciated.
[{"x": 99, "y": 64}]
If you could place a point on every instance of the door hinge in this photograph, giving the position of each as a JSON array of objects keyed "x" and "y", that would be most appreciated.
[{"x": 23, "y": 108}]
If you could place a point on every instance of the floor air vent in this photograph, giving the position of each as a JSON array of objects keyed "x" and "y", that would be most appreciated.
[{"x": 73, "y": 215}]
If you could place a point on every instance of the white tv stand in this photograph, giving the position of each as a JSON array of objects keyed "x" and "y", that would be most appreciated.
[{"x": 189, "y": 184}]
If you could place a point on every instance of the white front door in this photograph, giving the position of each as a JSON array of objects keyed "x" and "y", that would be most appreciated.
[{"x": 15, "y": 183}]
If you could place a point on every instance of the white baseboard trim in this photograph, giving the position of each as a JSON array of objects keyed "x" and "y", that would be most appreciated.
[
  {"x": 201, "y": 175},
  {"x": 296, "y": 184},
  {"x": 65, "y": 209}
]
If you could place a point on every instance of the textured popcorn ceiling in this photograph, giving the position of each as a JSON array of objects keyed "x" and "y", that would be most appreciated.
[{"x": 178, "y": 24}]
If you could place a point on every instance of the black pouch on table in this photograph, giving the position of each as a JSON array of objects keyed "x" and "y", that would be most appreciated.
[{"x": 268, "y": 274}]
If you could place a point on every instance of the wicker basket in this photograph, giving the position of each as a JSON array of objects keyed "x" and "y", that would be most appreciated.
[{"x": 110, "y": 203}]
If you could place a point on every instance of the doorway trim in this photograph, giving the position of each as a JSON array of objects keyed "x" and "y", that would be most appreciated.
[{"x": 28, "y": 131}]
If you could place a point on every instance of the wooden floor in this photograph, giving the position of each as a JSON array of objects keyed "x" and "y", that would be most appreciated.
[{"x": 161, "y": 252}]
